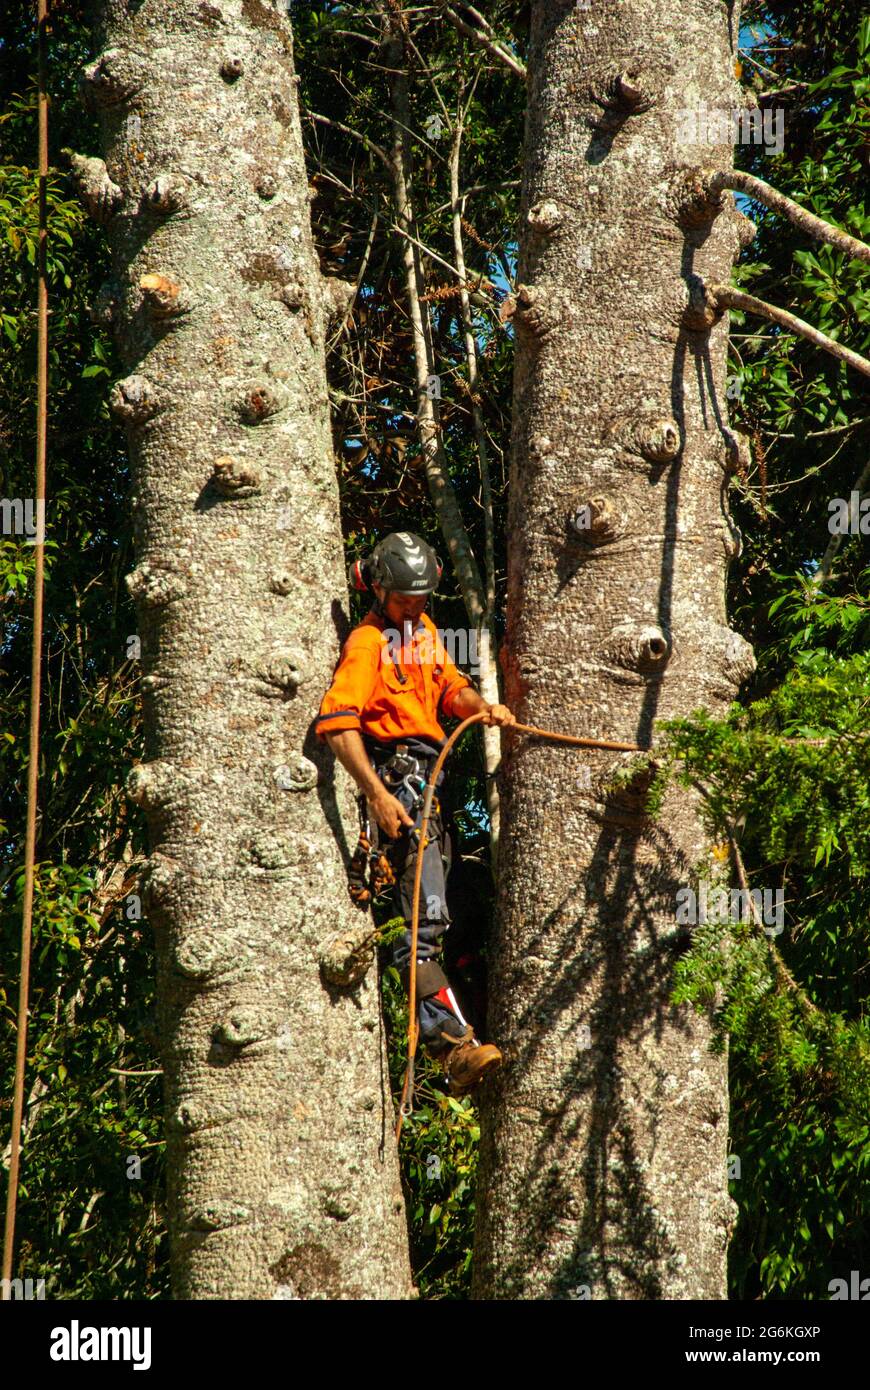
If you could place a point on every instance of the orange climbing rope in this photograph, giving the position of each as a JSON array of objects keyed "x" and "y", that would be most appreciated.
[
  {"x": 36, "y": 658},
  {"x": 406, "y": 1102}
]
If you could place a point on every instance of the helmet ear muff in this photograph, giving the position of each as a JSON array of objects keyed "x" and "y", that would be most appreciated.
[{"x": 358, "y": 575}]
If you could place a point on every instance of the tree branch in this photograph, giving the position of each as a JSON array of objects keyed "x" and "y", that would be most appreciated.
[
  {"x": 783, "y": 974},
  {"x": 427, "y": 250},
  {"x": 480, "y": 36},
  {"x": 479, "y": 188},
  {"x": 348, "y": 130},
  {"x": 782, "y": 94},
  {"x": 816, "y": 434},
  {"x": 359, "y": 279},
  {"x": 805, "y": 221},
  {"x": 441, "y": 489},
  {"x": 482, "y": 23},
  {"x": 729, "y": 298}
]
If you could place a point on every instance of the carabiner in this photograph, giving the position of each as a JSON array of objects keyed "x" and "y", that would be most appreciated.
[{"x": 407, "y": 1106}]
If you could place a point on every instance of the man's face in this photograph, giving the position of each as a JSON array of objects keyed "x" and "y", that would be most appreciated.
[{"x": 401, "y": 608}]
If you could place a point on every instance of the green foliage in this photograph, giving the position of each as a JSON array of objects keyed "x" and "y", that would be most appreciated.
[
  {"x": 814, "y": 789},
  {"x": 438, "y": 1152},
  {"x": 89, "y": 1218},
  {"x": 807, "y": 415},
  {"x": 793, "y": 772},
  {"x": 86, "y": 1222},
  {"x": 793, "y": 1005}
]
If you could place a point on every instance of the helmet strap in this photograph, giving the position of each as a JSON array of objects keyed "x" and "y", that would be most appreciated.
[{"x": 378, "y": 607}]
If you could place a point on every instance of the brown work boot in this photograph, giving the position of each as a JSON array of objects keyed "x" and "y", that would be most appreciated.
[{"x": 466, "y": 1061}]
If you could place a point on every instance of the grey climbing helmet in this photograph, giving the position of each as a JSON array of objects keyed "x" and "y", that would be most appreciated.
[{"x": 402, "y": 562}]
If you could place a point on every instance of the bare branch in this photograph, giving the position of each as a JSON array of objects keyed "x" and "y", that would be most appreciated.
[
  {"x": 805, "y": 221},
  {"x": 121, "y": 1071},
  {"x": 441, "y": 489},
  {"x": 746, "y": 56},
  {"x": 359, "y": 279},
  {"x": 427, "y": 250},
  {"x": 817, "y": 434},
  {"x": 348, "y": 130},
  {"x": 782, "y": 94},
  {"x": 730, "y": 298},
  {"x": 478, "y": 18},
  {"x": 365, "y": 38},
  {"x": 424, "y": 67},
  {"x": 480, "y": 188},
  {"x": 480, "y": 37}
]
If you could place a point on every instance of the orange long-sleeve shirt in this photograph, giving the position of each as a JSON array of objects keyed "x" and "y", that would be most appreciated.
[{"x": 387, "y": 690}]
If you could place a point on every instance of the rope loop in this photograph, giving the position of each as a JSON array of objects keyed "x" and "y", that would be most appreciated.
[{"x": 554, "y": 737}]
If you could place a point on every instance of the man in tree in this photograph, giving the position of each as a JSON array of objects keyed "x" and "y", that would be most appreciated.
[{"x": 380, "y": 717}]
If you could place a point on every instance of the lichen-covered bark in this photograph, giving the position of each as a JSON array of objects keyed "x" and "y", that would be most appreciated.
[
  {"x": 603, "y": 1169},
  {"x": 283, "y": 1174}
]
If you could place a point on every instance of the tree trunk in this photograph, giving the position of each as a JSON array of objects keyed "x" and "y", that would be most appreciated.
[
  {"x": 488, "y": 650},
  {"x": 604, "y": 1143},
  {"x": 283, "y": 1175}
]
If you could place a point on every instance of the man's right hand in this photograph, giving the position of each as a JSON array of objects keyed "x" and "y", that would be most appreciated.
[{"x": 389, "y": 813}]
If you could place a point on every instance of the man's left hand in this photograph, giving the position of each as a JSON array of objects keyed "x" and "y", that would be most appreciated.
[{"x": 500, "y": 714}]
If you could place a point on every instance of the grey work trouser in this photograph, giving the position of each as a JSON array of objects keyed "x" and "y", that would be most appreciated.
[{"x": 434, "y": 919}]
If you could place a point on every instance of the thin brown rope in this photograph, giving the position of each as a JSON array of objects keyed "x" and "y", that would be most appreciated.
[
  {"x": 406, "y": 1102},
  {"x": 36, "y": 655}
]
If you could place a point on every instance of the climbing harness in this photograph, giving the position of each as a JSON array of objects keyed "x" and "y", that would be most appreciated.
[
  {"x": 403, "y": 770},
  {"x": 406, "y": 1103},
  {"x": 370, "y": 871}
]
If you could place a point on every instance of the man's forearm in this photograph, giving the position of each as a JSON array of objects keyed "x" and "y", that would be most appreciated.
[
  {"x": 468, "y": 702},
  {"x": 348, "y": 747},
  {"x": 389, "y": 813}
]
